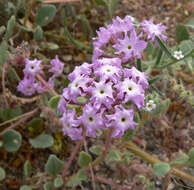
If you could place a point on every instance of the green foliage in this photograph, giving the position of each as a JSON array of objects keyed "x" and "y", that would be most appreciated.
[
  {"x": 100, "y": 2},
  {"x": 111, "y": 7},
  {"x": 48, "y": 186},
  {"x": 181, "y": 159},
  {"x": 25, "y": 187},
  {"x": 3, "y": 53},
  {"x": 45, "y": 14},
  {"x": 77, "y": 179},
  {"x": 181, "y": 33},
  {"x": 84, "y": 159},
  {"x": 191, "y": 157},
  {"x": 10, "y": 26},
  {"x": 190, "y": 24},
  {"x": 113, "y": 155},
  {"x": 2, "y": 174},
  {"x": 12, "y": 140},
  {"x": 53, "y": 102},
  {"x": 161, "y": 168},
  {"x": 9, "y": 113},
  {"x": 161, "y": 108},
  {"x": 42, "y": 141},
  {"x": 95, "y": 149},
  {"x": 58, "y": 182},
  {"x": 38, "y": 34},
  {"x": 54, "y": 166},
  {"x": 27, "y": 169},
  {"x": 35, "y": 125},
  {"x": 164, "y": 48}
]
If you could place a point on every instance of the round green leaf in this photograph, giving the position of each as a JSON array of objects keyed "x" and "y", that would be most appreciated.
[
  {"x": 42, "y": 141},
  {"x": 96, "y": 150},
  {"x": 84, "y": 159},
  {"x": 58, "y": 182},
  {"x": 181, "y": 159},
  {"x": 53, "y": 102},
  {"x": 181, "y": 33},
  {"x": 45, "y": 14},
  {"x": 54, "y": 166},
  {"x": 161, "y": 168},
  {"x": 25, "y": 187},
  {"x": 48, "y": 186},
  {"x": 2, "y": 174},
  {"x": 113, "y": 155},
  {"x": 12, "y": 140}
]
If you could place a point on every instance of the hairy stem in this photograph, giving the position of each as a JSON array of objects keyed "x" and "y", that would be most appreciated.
[
  {"x": 152, "y": 160},
  {"x": 75, "y": 151},
  {"x": 46, "y": 85}
]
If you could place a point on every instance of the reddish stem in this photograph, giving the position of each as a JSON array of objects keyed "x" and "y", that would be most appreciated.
[
  {"x": 46, "y": 85},
  {"x": 75, "y": 151}
]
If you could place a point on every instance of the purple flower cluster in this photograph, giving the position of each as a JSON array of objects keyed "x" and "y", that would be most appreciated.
[
  {"x": 122, "y": 39},
  {"x": 111, "y": 92},
  {"x": 29, "y": 85},
  {"x": 107, "y": 88}
]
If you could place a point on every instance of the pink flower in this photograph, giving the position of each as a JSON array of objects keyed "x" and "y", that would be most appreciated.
[
  {"x": 121, "y": 120},
  {"x": 130, "y": 47},
  {"x": 152, "y": 30}
]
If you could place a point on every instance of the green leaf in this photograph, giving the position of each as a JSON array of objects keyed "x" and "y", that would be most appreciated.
[
  {"x": 95, "y": 149},
  {"x": 181, "y": 33},
  {"x": 27, "y": 169},
  {"x": 186, "y": 46},
  {"x": 101, "y": 2},
  {"x": 77, "y": 179},
  {"x": 2, "y": 30},
  {"x": 161, "y": 168},
  {"x": 58, "y": 182},
  {"x": 54, "y": 166},
  {"x": 158, "y": 58},
  {"x": 190, "y": 24},
  {"x": 191, "y": 157},
  {"x": 53, "y": 102},
  {"x": 25, "y": 187},
  {"x": 139, "y": 66},
  {"x": 153, "y": 80},
  {"x": 181, "y": 159},
  {"x": 113, "y": 155},
  {"x": 12, "y": 140},
  {"x": 111, "y": 7},
  {"x": 84, "y": 159},
  {"x": 42, "y": 141},
  {"x": 82, "y": 99},
  {"x": 10, "y": 26},
  {"x": 164, "y": 48},
  {"x": 9, "y": 113},
  {"x": 2, "y": 174},
  {"x": 161, "y": 108},
  {"x": 45, "y": 14},
  {"x": 48, "y": 186},
  {"x": 3, "y": 52},
  {"x": 38, "y": 34},
  {"x": 35, "y": 125}
]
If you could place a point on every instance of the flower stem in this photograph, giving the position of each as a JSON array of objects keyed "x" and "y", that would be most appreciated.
[
  {"x": 152, "y": 160},
  {"x": 75, "y": 151},
  {"x": 46, "y": 85}
]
